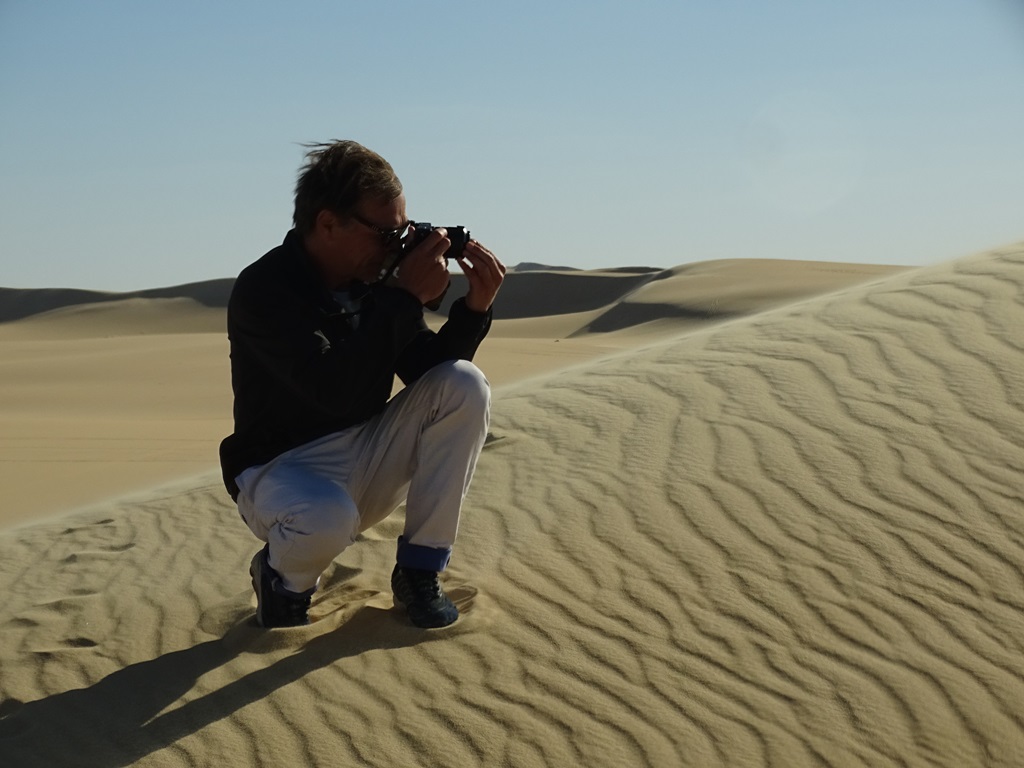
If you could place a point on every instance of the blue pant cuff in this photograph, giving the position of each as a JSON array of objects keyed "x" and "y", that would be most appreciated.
[{"x": 423, "y": 558}]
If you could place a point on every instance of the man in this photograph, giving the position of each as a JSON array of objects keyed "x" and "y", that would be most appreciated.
[{"x": 319, "y": 453}]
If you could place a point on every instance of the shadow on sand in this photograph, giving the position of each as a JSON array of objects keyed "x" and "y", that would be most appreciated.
[{"x": 121, "y": 719}]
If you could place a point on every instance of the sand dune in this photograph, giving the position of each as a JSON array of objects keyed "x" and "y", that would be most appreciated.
[
  {"x": 18, "y": 303},
  {"x": 120, "y": 392},
  {"x": 708, "y": 289},
  {"x": 693, "y": 294},
  {"x": 791, "y": 539},
  {"x": 117, "y": 318}
]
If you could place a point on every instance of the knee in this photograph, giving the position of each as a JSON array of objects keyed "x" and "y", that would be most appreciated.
[
  {"x": 319, "y": 509},
  {"x": 333, "y": 521},
  {"x": 464, "y": 383}
]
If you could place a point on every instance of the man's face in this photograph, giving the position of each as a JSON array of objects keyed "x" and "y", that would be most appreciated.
[{"x": 361, "y": 244}]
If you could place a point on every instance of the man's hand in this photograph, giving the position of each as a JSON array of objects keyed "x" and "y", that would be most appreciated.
[
  {"x": 485, "y": 274},
  {"x": 424, "y": 272}
]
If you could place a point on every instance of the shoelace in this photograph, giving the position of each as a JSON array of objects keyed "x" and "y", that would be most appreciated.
[{"x": 425, "y": 585}]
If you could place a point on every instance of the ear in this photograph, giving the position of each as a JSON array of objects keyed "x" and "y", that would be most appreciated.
[{"x": 327, "y": 222}]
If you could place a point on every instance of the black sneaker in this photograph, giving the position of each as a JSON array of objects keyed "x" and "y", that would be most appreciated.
[
  {"x": 422, "y": 597},
  {"x": 275, "y": 605}
]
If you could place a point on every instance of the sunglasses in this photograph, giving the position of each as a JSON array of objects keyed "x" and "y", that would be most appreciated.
[{"x": 388, "y": 236}]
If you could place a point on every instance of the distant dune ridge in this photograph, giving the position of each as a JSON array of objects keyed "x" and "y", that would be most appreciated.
[
  {"x": 792, "y": 536},
  {"x": 17, "y": 303},
  {"x": 530, "y": 290}
]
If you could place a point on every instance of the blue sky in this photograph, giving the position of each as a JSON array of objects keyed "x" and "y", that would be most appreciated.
[{"x": 145, "y": 144}]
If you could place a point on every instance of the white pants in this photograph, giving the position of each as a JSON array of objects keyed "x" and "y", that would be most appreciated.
[{"x": 311, "y": 502}]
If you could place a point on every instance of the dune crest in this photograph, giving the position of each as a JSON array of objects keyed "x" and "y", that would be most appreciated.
[{"x": 794, "y": 539}]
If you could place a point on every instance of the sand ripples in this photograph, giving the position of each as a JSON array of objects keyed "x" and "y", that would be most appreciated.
[{"x": 795, "y": 539}]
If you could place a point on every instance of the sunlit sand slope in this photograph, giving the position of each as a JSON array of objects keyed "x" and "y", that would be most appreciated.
[
  {"x": 793, "y": 540},
  {"x": 796, "y": 539}
]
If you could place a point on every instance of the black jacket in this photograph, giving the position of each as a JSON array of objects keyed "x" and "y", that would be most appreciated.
[{"x": 299, "y": 371}]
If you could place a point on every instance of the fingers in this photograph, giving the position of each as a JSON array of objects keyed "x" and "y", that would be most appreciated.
[
  {"x": 481, "y": 274},
  {"x": 437, "y": 242},
  {"x": 485, "y": 263},
  {"x": 424, "y": 272},
  {"x": 484, "y": 272},
  {"x": 432, "y": 246}
]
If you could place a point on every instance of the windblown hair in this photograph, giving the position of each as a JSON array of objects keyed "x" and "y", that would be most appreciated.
[{"x": 336, "y": 177}]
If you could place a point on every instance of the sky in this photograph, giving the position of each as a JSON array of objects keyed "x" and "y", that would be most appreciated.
[{"x": 147, "y": 144}]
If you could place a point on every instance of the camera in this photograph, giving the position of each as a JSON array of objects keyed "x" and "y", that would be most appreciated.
[{"x": 458, "y": 235}]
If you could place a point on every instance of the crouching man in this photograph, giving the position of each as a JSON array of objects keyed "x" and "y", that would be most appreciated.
[{"x": 319, "y": 452}]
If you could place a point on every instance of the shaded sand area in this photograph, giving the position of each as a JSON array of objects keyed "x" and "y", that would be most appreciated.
[{"x": 791, "y": 538}]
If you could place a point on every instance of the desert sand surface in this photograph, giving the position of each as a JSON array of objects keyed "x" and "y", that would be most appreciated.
[
  {"x": 735, "y": 513},
  {"x": 103, "y": 394}
]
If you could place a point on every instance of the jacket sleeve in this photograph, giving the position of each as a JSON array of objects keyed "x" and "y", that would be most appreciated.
[
  {"x": 285, "y": 335},
  {"x": 457, "y": 339}
]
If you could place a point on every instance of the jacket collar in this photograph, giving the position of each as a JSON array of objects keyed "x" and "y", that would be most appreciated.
[
  {"x": 301, "y": 262},
  {"x": 305, "y": 269}
]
